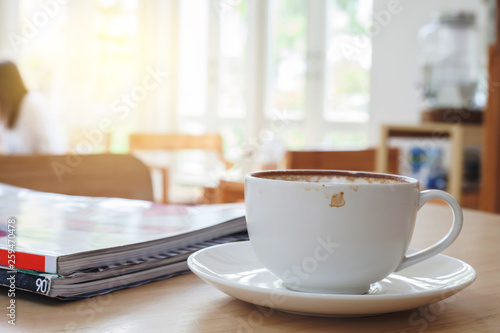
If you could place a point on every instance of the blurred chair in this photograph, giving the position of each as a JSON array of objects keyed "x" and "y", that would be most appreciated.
[
  {"x": 144, "y": 142},
  {"x": 89, "y": 141},
  {"x": 102, "y": 175},
  {"x": 225, "y": 192},
  {"x": 360, "y": 160}
]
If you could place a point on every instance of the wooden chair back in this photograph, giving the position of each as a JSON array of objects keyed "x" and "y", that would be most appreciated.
[
  {"x": 142, "y": 141},
  {"x": 360, "y": 160},
  {"x": 101, "y": 175},
  {"x": 89, "y": 141},
  {"x": 225, "y": 192},
  {"x": 174, "y": 142}
]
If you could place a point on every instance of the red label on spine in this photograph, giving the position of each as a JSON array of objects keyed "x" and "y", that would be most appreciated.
[{"x": 22, "y": 260}]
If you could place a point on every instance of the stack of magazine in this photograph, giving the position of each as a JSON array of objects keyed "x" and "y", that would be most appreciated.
[{"x": 75, "y": 247}]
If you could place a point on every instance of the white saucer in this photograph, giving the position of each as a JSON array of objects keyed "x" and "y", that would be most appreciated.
[{"x": 233, "y": 269}]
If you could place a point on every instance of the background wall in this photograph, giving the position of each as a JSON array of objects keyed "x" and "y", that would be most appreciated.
[
  {"x": 394, "y": 76},
  {"x": 8, "y": 20}
]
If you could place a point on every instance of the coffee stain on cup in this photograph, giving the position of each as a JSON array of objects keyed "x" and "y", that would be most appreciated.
[
  {"x": 354, "y": 188},
  {"x": 306, "y": 187},
  {"x": 337, "y": 200}
]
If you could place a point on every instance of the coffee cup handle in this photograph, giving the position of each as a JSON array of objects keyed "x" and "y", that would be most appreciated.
[{"x": 446, "y": 240}]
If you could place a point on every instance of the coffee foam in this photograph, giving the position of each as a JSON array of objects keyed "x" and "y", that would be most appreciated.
[{"x": 332, "y": 177}]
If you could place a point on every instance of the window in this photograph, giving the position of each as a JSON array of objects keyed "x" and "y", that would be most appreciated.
[
  {"x": 348, "y": 65},
  {"x": 193, "y": 46},
  {"x": 232, "y": 23},
  {"x": 272, "y": 71},
  {"x": 288, "y": 56}
]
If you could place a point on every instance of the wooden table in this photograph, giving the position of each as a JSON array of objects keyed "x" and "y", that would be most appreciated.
[{"x": 187, "y": 304}]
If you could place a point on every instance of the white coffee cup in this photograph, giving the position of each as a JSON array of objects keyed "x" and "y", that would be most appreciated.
[{"x": 328, "y": 231}]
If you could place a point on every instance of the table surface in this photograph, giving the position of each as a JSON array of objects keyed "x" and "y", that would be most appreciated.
[{"x": 187, "y": 304}]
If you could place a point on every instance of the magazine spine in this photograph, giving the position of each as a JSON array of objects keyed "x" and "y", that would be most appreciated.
[{"x": 39, "y": 284}]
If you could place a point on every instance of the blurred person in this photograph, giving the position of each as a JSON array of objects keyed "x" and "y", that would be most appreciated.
[{"x": 26, "y": 124}]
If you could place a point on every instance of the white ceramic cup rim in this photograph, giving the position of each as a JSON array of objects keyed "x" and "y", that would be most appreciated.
[{"x": 398, "y": 180}]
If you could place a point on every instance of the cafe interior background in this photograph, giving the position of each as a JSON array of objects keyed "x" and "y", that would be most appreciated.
[{"x": 269, "y": 76}]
